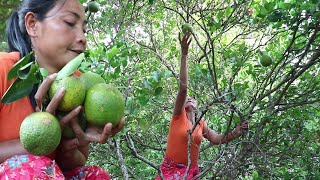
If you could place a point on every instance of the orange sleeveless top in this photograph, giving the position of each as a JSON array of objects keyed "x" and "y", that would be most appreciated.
[
  {"x": 177, "y": 148},
  {"x": 11, "y": 115}
]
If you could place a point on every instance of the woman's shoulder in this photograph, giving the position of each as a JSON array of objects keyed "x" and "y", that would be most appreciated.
[
  {"x": 9, "y": 57},
  {"x": 179, "y": 116},
  {"x": 15, "y": 55}
]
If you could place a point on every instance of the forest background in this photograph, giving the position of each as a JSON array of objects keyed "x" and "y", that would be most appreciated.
[{"x": 280, "y": 101}]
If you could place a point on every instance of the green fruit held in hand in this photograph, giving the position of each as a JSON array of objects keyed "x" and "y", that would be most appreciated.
[
  {"x": 89, "y": 79},
  {"x": 186, "y": 28},
  {"x": 67, "y": 131},
  {"x": 74, "y": 92},
  {"x": 40, "y": 133},
  {"x": 104, "y": 104},
  {"x": 93, "y": 6},
  {"x": 265, "y": 60}
]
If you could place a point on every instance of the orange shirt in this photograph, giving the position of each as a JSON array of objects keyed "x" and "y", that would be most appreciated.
[
  {"x": 177, "y": 148},
  {"x": 11, "y": 115}
]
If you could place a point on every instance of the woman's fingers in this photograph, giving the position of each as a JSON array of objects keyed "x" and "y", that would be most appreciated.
[
  {"x": 69, "y": 117},
  {"x": 54, "y": 103},
  {"x": 119, "y": 127},
  {"x": 97, "y": 134},
  {"x": 245, "y": 125},
  {"x": 79, "y": 133},
  {"x": 107, "y": 132},
  {"x": 93, "y": 133},
  {"x": 69, "y": 144},
  {"x": 189, "y": 39},
  {"x": 43, "y": 90}
]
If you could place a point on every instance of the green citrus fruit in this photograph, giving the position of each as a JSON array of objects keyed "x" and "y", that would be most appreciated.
[
  {"x": 93, "y": 6},
  {"x": 74, "y": 92},
  {"x": 275, "y": 16},
  {"x": 67, "y": 131},
  {"x": 104, "y": 104},
  {"x": 187, "y": 28},
  {"x": 89, "y": 79},
  {"x": 40, "y": 133},
  {"x": 265, "y": 60},
  {"x": 317, "y": 14}
]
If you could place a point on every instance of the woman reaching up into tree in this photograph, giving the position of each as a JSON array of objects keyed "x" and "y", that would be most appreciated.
[{"x": 183, "y": 119}]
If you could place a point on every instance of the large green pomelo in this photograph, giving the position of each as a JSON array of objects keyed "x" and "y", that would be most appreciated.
[
  {"x": 89, "y": 79},
  {"x": 103, "y": 104},
  {"x": 74, "y": 92},
  {"x": 40, "y": 133}
]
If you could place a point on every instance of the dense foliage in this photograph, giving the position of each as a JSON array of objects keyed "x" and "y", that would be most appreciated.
[
  {"x": 134, "y": 44},
  {"x": 6, "y": 7}
]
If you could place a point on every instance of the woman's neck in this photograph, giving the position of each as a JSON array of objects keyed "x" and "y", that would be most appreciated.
[{"x": 191, "y": 115}]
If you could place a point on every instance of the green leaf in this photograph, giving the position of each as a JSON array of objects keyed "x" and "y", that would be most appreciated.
[
  {"x": 44, "y": 73},
  {"x": 130, "y": 105},
  {"x": 155, "y": 76},
  {"x": 236, "y": 120},
  {"x": 143, "y": 124},
  {"x": 19, "y": 89},
  {"x": 24, "y": 71},
  {"x": 143, "y": 100},
  {"x": 151, "y": 1},
  {"x": 167, "y": 74},
  {"x": 146, "y": 84},
  {"x": 117, "y": 70},
  {"x": 158, "y": 91},
  {"x": 228, "y": 11},
  {"x": 269, "y": 6},
  {"x": 22, "y": 87},
  {"x": 69, "y": 68},
  {"x": 13, "y": 73},
  {"x": 120, "y": 33},
  {"x": 112, "y": 52}
]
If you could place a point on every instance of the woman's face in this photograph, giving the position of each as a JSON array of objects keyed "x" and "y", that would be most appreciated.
[
  {"x": 60, "y": 36},
  {"x": 190, "y": 104}
]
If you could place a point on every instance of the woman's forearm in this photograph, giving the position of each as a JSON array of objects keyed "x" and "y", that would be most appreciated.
[
  {"x": 229, "y": 137},
  {"x": 84, "y": 150},
  {"x": 183, "y": 75},
  {"x": 70, "y": 159},
  {"x": 11, "y": 148},
  {"x": 217, "y": 139}
]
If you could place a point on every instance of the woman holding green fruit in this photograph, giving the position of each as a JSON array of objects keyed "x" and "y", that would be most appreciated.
[{"x": 55, "y": 31}]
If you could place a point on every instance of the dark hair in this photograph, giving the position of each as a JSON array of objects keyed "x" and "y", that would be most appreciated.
[{"x": 18, "y": 38}]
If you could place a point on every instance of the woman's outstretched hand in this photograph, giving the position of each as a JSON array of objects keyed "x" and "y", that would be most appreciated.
[
  {"x": 98, "y": 134},
  {"x": 91, "y": 134},
  {"x": 240, "y": 127},
  {"x": 185, "y": 42}
]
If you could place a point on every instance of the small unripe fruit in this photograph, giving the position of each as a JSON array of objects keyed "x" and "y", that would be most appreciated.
[
  {"x": 187, "y": 28},
  {"x": 265, "y": 60},
  {"x": 93, "y": 6}
]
